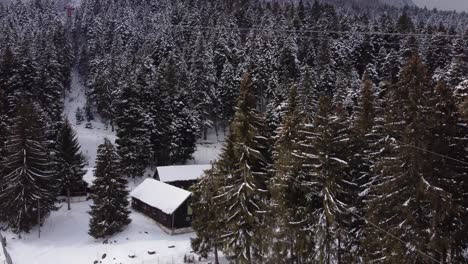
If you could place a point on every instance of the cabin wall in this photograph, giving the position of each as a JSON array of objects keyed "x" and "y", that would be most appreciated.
[
  {"x": 181, "y": 217},
  {"x": 154, "y": 213}
]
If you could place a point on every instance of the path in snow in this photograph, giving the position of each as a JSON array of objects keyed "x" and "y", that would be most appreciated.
[{"x": 89, "y": 139}]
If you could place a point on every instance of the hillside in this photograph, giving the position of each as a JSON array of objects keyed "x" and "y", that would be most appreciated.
[{"x": 336, "y": 131}]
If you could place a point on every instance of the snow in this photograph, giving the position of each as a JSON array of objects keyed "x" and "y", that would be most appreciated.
[
  {"x": 65, "y": 239},
  {"x": 64, "y": 235},
  {"x": 2, "y": 257},
  {"x": 181, "y": 173},
  {"x": 163, "y": 196},
  {"x": 89, "y": 139},
  {"x": 208, "y": 150}
]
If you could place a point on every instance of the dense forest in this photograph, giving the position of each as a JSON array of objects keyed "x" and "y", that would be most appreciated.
[{"x": 346, "y": 125}]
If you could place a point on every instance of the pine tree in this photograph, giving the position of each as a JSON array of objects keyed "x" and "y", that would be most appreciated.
[
  {"x": 79, "y": 116},
  {"x": 363, "y": 145},
  {"x": 208, "y": 214},
  {"x": 133, "y": 138},
  {"x": 292, "y": 221},
  {"x": 208, "y": 202},
  {"x": 309, "y": 93},
  {"x": 228, "y": 92},
  {"x": 109, "y": 213},
  {"x": 449, "y": 214},
  {"x": 88, "y": 112},
  {"x": 390, "y": 68},
  {"x": 464, "y": 109},
  {"x": 325, "y": 170},
  {"x": 27, "y": 182},
  {"x": 202, "y": 84},
  {"x": 183, "y": 131},
  {"x": 70, "y": 162},
  {"x": 244, "y": 191},
  {"x": 418, "y": 187}
]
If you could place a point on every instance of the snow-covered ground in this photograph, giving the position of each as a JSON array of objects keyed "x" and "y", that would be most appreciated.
[
  {"x": 65, "y": 240},
  {"x": 64, "y": 236},
  {"x": 89, "y": 139},
  {"x": 208, "y": 150}
]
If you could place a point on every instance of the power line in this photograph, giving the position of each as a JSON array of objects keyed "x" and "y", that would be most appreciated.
[
  {"x": 435, "y": 153},
  {"x": 425, "y": 150},
  {"x": 337, "y": 32},
  {"x": 323, "y": 37},
  {"x": 376, "y": 226},
  {"x": 392, "y": 235}
]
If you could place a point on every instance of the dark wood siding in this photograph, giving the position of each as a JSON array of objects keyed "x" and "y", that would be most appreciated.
[
  {"x": 181, "y": 217},
  {"x": 152, "y": 212}
]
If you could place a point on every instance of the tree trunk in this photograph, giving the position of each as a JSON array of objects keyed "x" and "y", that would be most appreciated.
[
  {"x": 216, "y": 261},
  {"x": 292, "y": 249},
  {"x": 216, "y": 128},
  {"x": 205, "y": 132},
  {"x": 68, "y": 198}
]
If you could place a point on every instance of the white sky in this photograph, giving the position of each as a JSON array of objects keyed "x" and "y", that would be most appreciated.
[{"x": 459, "y": 5}]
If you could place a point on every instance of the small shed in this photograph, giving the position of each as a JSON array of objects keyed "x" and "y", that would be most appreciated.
[
  {"x": 183, "y": 176},
  {"x": 164, "y": 203}
]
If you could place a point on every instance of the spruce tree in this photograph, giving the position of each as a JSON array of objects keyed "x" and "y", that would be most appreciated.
[
  {"x": 109, "y": 212},
  {"x": 325, "y": 170},
  {"x": 208, "y": 218},
  {"x": 415, "y": 194},
  {"x": 70, "y": 162},
  {"x": 133, "y": 137},
  {"x": 244, "y": 192},
  {"x": 183, "y": 132},
  {"x": 208, "y": 203},
  {"x": 449, "y": 173},
  {"x": 292, "y": 222},
  {"x": 27, "y": 182},
  {"x": 464, "y": 109},
  {"x": 364, "y": 146}
]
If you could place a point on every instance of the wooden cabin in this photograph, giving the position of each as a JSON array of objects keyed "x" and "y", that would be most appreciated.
[
  {"x": 183, "y": 176},
  {"x": 166, "y": 204}
]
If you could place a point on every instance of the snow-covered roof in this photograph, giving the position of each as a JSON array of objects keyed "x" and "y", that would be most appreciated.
[
  {"x": 181, "y": 173},
  {"x": 163, "y": 196}
]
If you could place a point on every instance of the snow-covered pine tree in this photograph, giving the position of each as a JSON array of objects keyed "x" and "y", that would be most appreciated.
[
  {"x": 288, "y": 64},
  {"x": 27, "y": 179},
  {"x": 419, "y": 186},
  {"x": 133, "y": 138},
  {"x": 244, "y": 192},
  {"x": 291, "y": 223},
  {"x": 79, "y": 116},
  {"x": 208, "y": 221},
  {"x": 308, "y": 91},
  {"x": 457, "y": 69},
  {"x": 464, "y": 109},
  {"x": 390, "y": 68},
  {"x": 325, "y": 171},
  {"x": 363, "y": 148},
  {"x": 228, "y": 92},
  {"x": 202, "y": 85},
  {"x": 448, "y": 140},
  {"x": 183, "y": 132},
  {"x": 88, "y": 111},
  {"x": 109, "y": 212},
  {"x": 70, "y": 162}
]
